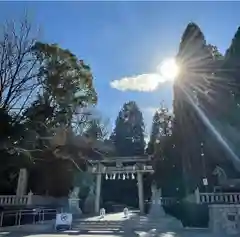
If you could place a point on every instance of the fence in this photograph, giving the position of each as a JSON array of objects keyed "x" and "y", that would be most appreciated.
[
  {"x": 12, "y": 200},
  {"x": 217, "y": 198},
  {"x": 165, "y": 201},
  {"x": 31, "y": 199},
  {"x": 21, "y": 217}
]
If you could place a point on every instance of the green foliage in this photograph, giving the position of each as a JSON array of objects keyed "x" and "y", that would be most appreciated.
[
  {"x": 190, "y": 214},
  {"x": 128, "y": 134},
  {"x": 232, "y": 53},
  {"x": 227, "y": 119},
  {"x": 161, "y": 127},
  {"x": 6, "y": 127},
  {"x": 67, "y": 80},
  {"x": 209, "y": 81},
  {"x": 64, "y": 85},
  {"x": 216, "y": 55},
  {"x": 193, "y": 89},
  {"x": 154, "y": 133},
  {"x": 231, "y": 66},
  {"x": 96, "y": 129},
  {"x": 11, "y": 135},
  {"x": 165, "y": 161},
  {"x": 128, "y": 139}
]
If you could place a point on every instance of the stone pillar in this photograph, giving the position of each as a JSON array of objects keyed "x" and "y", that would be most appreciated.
[
  {"x": 73, "y": 201},
  {"x": 30, "y": 198},
  {"x": 140, "y": 192},
  {"x": 22, "y": 182},
  {"x": 197, "y": 195},
  {"x": 98, "y": 193}
]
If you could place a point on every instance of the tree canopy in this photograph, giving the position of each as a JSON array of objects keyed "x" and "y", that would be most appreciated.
[
  {"x": 43, "y": 88},
  {"x": 128, "y": 134},
  {"x": 204, "y": 94},
  {"x": 47, "y": 98}
]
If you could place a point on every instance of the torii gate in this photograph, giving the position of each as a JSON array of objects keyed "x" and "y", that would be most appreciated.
[{"x": 113, "y": 166}]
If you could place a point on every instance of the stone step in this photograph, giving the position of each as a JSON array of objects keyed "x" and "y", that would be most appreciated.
[
  {"x": 139, "y": 222},
  {"x": 83, "y": 226},
  {"x": 97, "y": 222},
  {"x": 104, "y": 223}
]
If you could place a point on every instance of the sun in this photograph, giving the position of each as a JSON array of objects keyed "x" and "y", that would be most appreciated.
[{"x": 169, "y": 69}]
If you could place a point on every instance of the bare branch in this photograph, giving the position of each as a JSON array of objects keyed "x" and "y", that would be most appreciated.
[{"x": 18, "y": 66}]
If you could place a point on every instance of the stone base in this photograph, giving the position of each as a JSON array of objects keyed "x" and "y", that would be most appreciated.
[
  {"x": 159, "y": 224},
  {"x": 75, "y": 210},
  {"x": 161, "y": 220},
  {"x": 74, "y": 207},
  {"x": 165, "y": 224},
  {"x": 89, "y": 205},
  {"x": 156, "y": 220},
  {"x": 225, "y": 218},
  {"x": 156, "y": 211}
]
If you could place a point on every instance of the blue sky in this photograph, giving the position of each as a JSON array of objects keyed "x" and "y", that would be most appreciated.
[{"x": 126, "y": 39}]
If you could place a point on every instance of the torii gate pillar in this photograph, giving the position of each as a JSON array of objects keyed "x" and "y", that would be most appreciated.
[
  {"x": 140, "y": 192},
  {"x": 98, "y": 192}
]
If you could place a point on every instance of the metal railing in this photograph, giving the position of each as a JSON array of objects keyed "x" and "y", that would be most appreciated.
[{"x": 22, "y": 217}]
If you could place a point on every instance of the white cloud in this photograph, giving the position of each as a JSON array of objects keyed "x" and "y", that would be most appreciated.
[{"x": 142, "y": 82}]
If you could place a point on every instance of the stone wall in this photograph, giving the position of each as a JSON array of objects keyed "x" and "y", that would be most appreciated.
[
  {"x": 38, "y": 200},
  {"x": 225, "y": 218}
]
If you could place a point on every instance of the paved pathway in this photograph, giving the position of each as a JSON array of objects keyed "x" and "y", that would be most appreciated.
[
  {"x": 110, "y": 226},
  {"x": 104, "y": 234},
  {"x": 110, "y": 217}
]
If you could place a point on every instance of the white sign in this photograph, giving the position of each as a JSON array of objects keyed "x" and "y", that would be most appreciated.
[
  {"x": 205, "y": 182},
  {"x": 63, "y": 220}
]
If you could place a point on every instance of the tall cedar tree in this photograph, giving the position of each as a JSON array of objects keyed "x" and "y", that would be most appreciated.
[
  {"x": 227, "y": 104},
  {"x": 194, "y": 58},
  {"x": 154, "y": 133},
  {"x": 128, "y": 134},
  {"x": 165, "y": 159},
  {"x": 161, "y": 127}
]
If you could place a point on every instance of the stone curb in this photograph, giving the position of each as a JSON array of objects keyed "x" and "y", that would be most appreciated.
[{"x": 47, "y": 226}]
